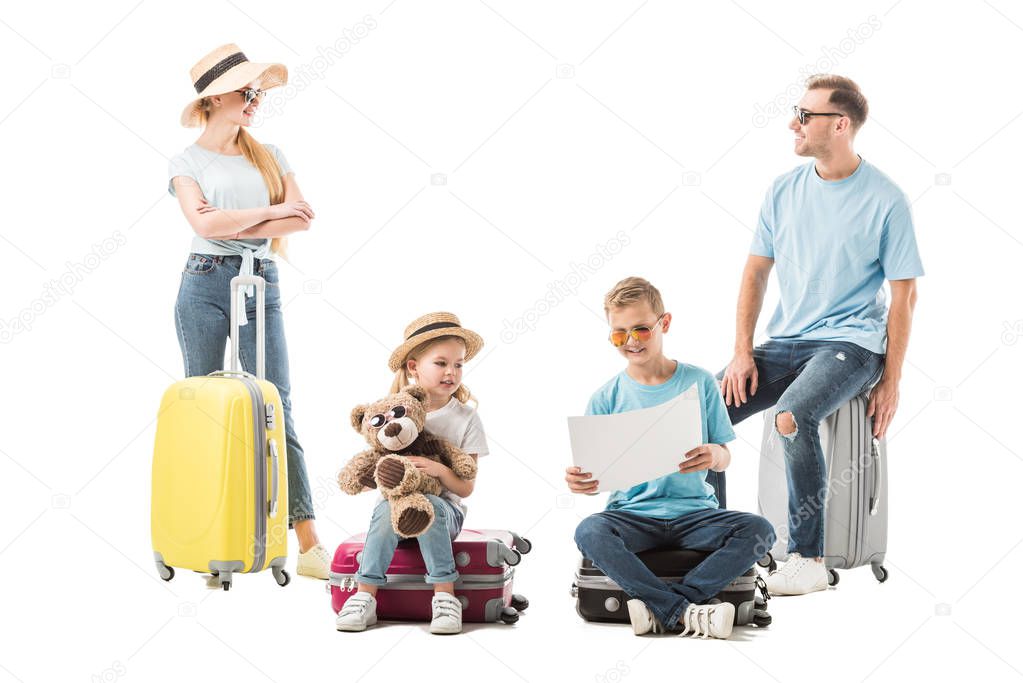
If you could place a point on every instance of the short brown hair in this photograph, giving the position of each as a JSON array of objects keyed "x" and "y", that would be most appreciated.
[
  {"x": 633, "y": 290},
  {"x": 845, "y": 95}
]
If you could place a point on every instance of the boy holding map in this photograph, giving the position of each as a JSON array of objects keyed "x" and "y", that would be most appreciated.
[{"x": 677, "y": 510}]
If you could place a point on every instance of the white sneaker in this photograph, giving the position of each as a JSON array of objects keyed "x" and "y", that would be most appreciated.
[
  {"x": 798, "y": 576},
  {"x": 709, "y": 621},
  {"x": 315, "y": 562},
  {"x": 642, "y": 619},
  {"x": 447, "y": 614},
  {"x": 358, "y": 612}
]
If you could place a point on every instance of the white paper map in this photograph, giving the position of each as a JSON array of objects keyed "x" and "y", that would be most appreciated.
[{"x": 626, "y": 449}]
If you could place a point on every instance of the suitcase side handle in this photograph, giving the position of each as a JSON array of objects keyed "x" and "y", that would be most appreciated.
[
  {"x": 273, "y": 477},
  {"x": 229, "y": 373},
  {"x": 875, "y": 494},
  {"x": 237, "y": 301}
]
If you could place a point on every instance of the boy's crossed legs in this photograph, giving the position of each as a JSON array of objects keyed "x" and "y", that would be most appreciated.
[{"x": 735, "y": 540}]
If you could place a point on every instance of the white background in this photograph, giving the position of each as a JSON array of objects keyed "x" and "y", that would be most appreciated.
[{"x": 555, "y": 127}]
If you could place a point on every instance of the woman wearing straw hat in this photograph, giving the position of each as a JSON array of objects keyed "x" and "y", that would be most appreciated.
[{"x": 241, "y": 199}]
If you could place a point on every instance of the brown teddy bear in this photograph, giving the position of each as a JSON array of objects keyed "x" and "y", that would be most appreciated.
[{"x": 394, "y": 428}]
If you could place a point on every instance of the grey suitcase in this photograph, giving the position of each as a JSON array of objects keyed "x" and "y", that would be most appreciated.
[{"x": 856, "y": 501}]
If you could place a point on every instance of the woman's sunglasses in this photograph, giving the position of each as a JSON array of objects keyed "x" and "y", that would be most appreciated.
[
  {"x": 250, "y": 94},
  {"x": 640, "y": 333}
]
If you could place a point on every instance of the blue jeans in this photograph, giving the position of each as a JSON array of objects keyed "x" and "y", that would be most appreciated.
[
  {"x": 434, "y": 544},
  {"x": 203, "y": 319},
  {"x": 735, "y": 540},
  {"x": 811, "y": 380}
]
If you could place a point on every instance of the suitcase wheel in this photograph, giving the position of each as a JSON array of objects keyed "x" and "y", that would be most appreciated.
[
  {"x": 519, "y": 602},
  {"x": 514, "y": 558},
  {"x": 509, "y": 615},
  {"x": 761, "y": 619},
  {"x": 281, "y": 576},
  {"x": 880, "y": 573},
  {"x": 226, "y": 585},
  {"x": 166, "y": 573},
  {"x": 832, "y": 577},
  {"x": 768, "y": 562},
  {"x": 524, "y": 545}
]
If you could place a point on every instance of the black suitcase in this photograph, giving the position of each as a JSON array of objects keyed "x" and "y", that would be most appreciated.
[{"x": 598, "y": 598}]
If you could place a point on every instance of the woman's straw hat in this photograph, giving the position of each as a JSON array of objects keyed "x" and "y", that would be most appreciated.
[
  {"x": 431, "y": 326},
  {"x": 224, "y": 70}
]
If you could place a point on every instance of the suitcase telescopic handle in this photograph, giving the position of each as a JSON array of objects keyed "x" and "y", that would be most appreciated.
[
  {"x": 237, "y": 301},
  {"x": 875, "y": 494},
  {"x": 273, "y": 477}
]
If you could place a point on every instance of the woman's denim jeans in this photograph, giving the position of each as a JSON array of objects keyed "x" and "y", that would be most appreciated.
[{"x": 203, "y": 318}]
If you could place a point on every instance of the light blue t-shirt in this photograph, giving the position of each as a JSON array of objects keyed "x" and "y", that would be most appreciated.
[
  {"x": 834, "y": 243},
  {"x": 227, "y": 182},
  {"x": 676, "y": 494}
]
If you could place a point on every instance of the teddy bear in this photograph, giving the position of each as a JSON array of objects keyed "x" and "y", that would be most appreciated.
[{"x": 394, "y": 427}]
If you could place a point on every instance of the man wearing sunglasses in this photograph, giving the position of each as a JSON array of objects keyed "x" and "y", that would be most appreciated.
[{"x": 834, "y": 229}]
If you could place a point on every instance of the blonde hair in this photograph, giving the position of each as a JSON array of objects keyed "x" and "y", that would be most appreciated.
[
  {"x": 401, "y": 378},
  {"x": 633, "y": 290},
  {"x": 265, "y": 163}
]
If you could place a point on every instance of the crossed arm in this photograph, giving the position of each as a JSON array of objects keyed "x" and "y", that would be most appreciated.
[{"x": 277, "y": 220}]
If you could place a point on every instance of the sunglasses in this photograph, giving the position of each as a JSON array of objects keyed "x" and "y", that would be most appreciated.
[
  {"x": 640, "y": 333},
  {"x": 803, "y": 114},
  {"x": 250, "y": 94}
]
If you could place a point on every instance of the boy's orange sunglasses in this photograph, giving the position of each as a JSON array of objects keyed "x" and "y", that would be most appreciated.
[{"x": 640, "y": 333}]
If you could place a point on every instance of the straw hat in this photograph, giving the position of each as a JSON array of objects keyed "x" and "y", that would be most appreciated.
[
  {"x": 224, "y": 70},
  {"x": 431, "y": 326}
]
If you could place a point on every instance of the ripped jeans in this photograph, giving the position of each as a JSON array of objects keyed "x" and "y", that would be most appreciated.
[{"x": 810, "y": 380}]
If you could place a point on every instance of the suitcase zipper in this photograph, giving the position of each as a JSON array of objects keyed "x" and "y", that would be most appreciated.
[
  {"x": 348, "y": 582},
  {"x": 259, "y": 429},
  {"x": 865, "y": 465}
]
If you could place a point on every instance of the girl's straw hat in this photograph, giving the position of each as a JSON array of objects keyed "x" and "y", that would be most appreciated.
[
  {"x": 224, "y": 70},
  {"x": 431, "y": 326}
]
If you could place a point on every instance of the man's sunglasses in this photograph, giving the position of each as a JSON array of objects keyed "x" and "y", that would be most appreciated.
[
  {"x": 640, "y": 333},
  {"x": 803, "y": 114},
  {"x": 250, "y": 94}
]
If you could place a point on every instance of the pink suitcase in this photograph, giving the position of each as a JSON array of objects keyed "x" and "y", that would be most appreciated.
[{"x": 485, "y": 561}]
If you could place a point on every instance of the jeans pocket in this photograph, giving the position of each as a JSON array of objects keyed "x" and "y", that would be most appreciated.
[
  {"x": 874, "y": 378},
  {"x": 199, "y": 264},
  {"x": 268, "y": 271}
]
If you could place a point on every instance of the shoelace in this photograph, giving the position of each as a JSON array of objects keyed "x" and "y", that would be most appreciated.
[
  {"x": 795, "y": 565},
  {"x": 698, "y": 621}
]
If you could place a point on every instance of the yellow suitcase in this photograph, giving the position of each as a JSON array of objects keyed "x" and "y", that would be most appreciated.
[{"x": 220, "y": 481}]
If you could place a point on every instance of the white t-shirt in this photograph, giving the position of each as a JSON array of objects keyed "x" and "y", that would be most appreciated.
[{"x": 460, "y": 424}]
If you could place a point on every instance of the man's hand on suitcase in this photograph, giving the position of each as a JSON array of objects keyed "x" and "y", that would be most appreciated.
[
  {"x": 580, "y": 482},
  {"x": 884, "y": 400}
]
